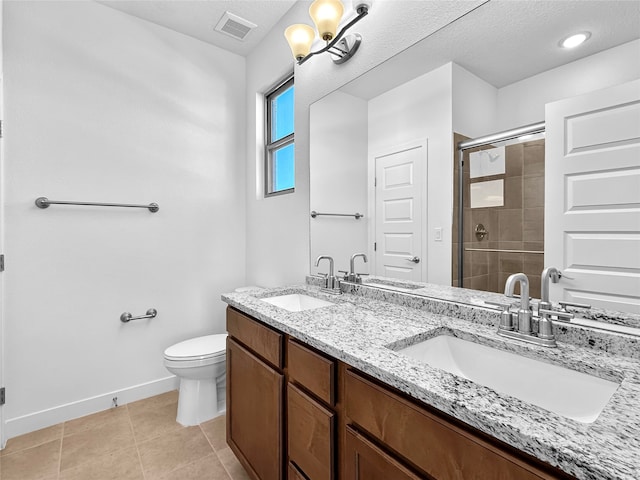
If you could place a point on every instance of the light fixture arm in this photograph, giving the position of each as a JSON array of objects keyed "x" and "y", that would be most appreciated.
[{"x": 363, "y": 11}]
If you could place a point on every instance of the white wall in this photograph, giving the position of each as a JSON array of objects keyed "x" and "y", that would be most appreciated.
[
  {"x": 418, "y": 110},
  {"x": 475, "y": 104},
  {"x": 338, "y": 180},
  {"x": 278, "y": 227},
  {"x": 102, "y": 106},
  {"x": 523, "y": 102}
]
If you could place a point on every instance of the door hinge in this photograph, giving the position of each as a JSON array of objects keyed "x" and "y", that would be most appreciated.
[
  {"x": 2, "y": 396},
  {"x": 0, "y": 128},
  {"x": 375, "y": 246},
  {"x": 375, "y": 182},
  {"x": 2, "y": 262}
]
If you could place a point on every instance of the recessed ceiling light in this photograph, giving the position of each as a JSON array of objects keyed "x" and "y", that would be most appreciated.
[{"x": 575, "y": 40}]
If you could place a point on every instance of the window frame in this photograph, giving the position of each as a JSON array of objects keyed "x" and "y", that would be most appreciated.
[{"x": 271, "y": 147}]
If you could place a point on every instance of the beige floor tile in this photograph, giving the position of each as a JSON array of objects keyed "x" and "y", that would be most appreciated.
[
  {"x": 235, "y": 470},
  {"x": 151, "y": 403},
  {"x": 95, "y": 420},
  {"x": 120, "y": 465},
  {"x": 216, "y": 432},
  {"x": 164, "y": 454},
  {"x": 33, "y": 439},
  {"x": 207, "y": 468},
  {"x": 83, "y": 446},
  {"x": 152, "y": 422},
  {"x": 33, "y": 463}
]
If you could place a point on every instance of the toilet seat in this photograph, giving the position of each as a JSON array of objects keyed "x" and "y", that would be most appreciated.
[{"x": 198, "y": 350}]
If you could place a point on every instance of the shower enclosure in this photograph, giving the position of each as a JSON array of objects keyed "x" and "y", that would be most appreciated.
[{"x": 499, "y": 204}]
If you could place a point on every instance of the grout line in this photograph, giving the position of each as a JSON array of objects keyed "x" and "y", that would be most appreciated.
[
  {"x": 60, "y": 455},
  {"x": 215, "y": 452},
  {"x": 135, "y": 442}
]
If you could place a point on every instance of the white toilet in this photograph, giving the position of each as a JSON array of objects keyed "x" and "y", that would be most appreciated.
[{"x": 200, "y": 364}]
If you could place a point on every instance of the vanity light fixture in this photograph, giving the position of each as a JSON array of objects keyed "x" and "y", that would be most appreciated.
[
  {"x": 326, "y": 15},
  {"x": 574, "y": 40}
]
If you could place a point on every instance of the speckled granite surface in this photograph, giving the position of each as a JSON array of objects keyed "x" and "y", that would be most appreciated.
[{"x": 364, "y": 331}]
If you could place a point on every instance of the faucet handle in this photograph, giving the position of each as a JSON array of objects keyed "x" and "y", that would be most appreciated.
[
  {"x": 504, "y": 306},
  {"x": 506, "y": 317},
  {"x": 561, "y": 315},
  {"x": 564, "y": 305}
]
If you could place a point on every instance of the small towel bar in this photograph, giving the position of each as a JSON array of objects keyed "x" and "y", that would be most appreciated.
[
  {"x": 126, "y": 317},
  {"x": 357, "y": 216}
]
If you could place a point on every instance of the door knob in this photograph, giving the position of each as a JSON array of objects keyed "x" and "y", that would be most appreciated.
[{"x": 414, "y": 259}]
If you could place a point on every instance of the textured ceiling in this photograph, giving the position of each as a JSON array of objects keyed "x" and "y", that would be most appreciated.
[
  {"x": 502, "y": 41},
  {"x": 505, "y": 41},
  {"x": 197, "y": 18}
]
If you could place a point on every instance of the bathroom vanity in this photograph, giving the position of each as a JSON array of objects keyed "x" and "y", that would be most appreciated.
[{"x": 323, "y": 391}]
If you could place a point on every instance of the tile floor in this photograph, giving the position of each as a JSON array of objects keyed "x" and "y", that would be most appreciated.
[{"x": 138, "y": 441}]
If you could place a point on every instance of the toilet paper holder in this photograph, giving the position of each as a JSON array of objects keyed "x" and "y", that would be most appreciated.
[{"x": 126, "y": 317}]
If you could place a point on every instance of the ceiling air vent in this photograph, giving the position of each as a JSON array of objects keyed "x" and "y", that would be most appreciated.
[{"x": 234, "y": 26}]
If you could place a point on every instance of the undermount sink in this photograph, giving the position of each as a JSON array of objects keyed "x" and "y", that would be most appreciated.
[
  {"x": 297, "y": 302},
  {"x": 569, "y": 393}
]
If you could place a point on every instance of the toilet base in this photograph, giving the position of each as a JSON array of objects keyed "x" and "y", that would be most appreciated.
[{"x": 197, "y": 401}]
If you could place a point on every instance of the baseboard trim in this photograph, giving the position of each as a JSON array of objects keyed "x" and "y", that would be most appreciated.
[{"x": 52, "y": 416}]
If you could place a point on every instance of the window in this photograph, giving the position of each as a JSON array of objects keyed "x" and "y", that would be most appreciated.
[{"x": 280, "y": 161}]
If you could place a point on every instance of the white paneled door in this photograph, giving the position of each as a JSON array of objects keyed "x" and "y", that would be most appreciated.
[
  {"x": 592, "y": 198},
  {"x": 400, "y": 213}
]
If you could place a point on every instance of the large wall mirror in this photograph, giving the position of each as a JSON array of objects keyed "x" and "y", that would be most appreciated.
[{"x": 493, "y": 70}]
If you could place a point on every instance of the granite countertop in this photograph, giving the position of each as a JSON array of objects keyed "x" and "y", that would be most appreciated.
[{"x": 363, "y": 329}]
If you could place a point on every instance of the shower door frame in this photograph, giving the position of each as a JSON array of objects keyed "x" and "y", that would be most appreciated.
[{"x": 512, "y": 134}]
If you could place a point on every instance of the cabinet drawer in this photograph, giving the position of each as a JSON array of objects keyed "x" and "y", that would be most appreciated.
[
  {"x": 312, "y": 370},
  {"x": 261, "y": 339},
  {"x": 441, "y": 449},
  {"x": 311, "y": 435},
  {"x": 365, "y": 461}
]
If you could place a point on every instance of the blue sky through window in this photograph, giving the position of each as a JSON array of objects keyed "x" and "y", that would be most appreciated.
[
  {"x": 283, "y": 168},
  {"x": 282, "y": 119}
]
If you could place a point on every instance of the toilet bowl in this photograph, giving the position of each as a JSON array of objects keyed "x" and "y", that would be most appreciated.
[{"x": 200, "y": 364}]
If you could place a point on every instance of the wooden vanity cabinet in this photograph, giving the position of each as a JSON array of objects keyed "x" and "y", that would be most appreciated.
[
  {"x": 428, "y": 441},
  {"x": 366, "y": 461},
  {"x": 294, "y": 412},
  {"x": 311, "y": 417},
  {"x": 255, "y": 396}
]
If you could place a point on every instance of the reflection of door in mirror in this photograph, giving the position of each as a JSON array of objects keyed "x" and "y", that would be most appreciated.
[
  {"x": 399, "y": 215},
  {"x": 503, "y": 191},
  {"x": 593, "y": 195}
]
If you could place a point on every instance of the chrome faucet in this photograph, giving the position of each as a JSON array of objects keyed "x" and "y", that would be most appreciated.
[
  {"x": 545, "y": 325},
  {"x": 331, "y": 283},
  {"x": 353, "y": 276},
  {"x": 544, "y": 335},
  {"x": 549, "y": 273},
  {"x": 523, "y": 330},
  {"x": 524, "y": 313}
]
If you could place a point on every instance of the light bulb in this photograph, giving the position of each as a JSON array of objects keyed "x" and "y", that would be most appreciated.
[
  {"x": 326, "y": 14},
  {"x": 300, "y": 38},
  {"x": 575, "y": 40}
]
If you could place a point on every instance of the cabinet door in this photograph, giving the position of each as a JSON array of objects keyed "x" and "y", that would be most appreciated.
[
  {"x": 254, "y": 419},
  {"x": 311, "y": 433},
  {"x": 365, "y": 461},
  {"x": 294, "y": 473}
]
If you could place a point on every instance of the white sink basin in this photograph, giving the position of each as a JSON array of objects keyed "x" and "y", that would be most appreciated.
[
  {"x": 297, "y": 302},
  {"x": 566, "y": 392}
]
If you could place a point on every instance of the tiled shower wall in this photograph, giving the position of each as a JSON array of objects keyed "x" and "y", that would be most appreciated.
[{"x": 517, "y": 225}]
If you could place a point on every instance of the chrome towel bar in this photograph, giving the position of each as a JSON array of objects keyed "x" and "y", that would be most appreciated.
[
  {"x": 44, "y": 202},
  {"x": 357, "y": 216},
  {"x": 126, "y": 317},
  {"x": 500, "y": 250}
]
